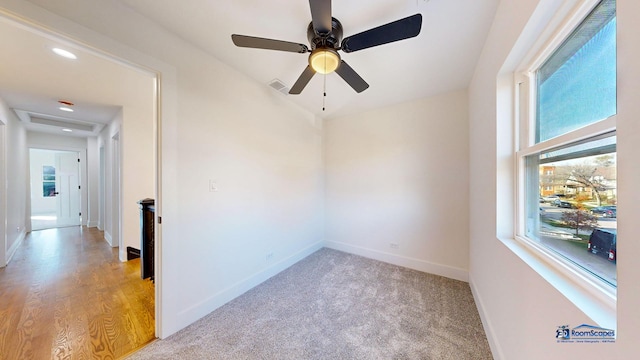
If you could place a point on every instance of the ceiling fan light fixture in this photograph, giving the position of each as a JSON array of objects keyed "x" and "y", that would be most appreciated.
[
  {"x": 325, "y": 39},
  {"x": 324, "y": 61}
]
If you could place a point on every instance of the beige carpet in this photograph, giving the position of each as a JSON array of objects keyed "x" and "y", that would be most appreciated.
[{"x": 333, "y": 305}]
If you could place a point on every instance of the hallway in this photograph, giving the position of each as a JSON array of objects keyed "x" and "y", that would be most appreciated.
[{"x": 66, "y": 295}]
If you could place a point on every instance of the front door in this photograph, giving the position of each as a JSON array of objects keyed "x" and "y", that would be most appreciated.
[{"x": 68, "y": 189}]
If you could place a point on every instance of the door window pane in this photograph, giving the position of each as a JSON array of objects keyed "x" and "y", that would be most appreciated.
[{"x": 48, "y": 181}]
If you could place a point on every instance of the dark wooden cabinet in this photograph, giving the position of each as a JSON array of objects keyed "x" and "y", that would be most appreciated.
[{"x": 147, "y": 221}]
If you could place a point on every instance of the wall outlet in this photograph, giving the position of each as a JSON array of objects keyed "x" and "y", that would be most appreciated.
[
  {"x": 269, "y": 256},
  {"x": 394, "y": 245}
]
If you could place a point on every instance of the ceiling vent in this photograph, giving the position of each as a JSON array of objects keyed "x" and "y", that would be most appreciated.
[{"x": 279, "y": 86}]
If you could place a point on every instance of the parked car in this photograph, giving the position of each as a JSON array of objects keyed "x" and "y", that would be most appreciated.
[
  {"x": 551, "y": 198},
  {"x": 603, "y": 242},
  {"x": 605, "y": 211},
  {"x": 563, "y": 204}
]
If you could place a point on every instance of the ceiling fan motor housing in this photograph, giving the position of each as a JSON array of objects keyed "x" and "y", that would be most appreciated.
[{"x": 329, "y": 40}]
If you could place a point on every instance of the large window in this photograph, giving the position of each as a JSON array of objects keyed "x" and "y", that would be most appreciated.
[{"x": 567, "y": 149}]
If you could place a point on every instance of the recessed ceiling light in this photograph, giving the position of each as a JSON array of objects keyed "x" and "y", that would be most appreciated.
[
  {"x": 66, "y": 109},
  {"x": 67, "y": 130},
  {"x": 65, "y": 53}
]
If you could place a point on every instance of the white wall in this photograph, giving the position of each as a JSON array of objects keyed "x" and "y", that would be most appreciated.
[
  {"x": 520, "y": 309},
  {"x": 264, "y": 153},
  {"x": 93, "y": 182},
  {"x": 17, "y": 178},
  {"x": 137, "y": 159},
  {"x": 3, "y": 194},
  {"x": 266, "y": 157},
  {"x": 399, "y": 175},
  {"x": 628, "y": 175},
  {"x": 105, "y": 139}
]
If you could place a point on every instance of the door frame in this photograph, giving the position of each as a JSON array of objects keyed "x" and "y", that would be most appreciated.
[
  {"x": 3, "y": 197},
  {"x": 101, "y": 187},
  {"x": 82, "y": 181},
  {"x": 84, "y": 199},
  {"x": 164, "y": 99},
  {"x": 116, "y": 196}
]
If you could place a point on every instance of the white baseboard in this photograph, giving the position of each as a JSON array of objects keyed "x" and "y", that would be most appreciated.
[
  {"x": 496, "y": 350},
  {"x": 193, "y": 313},
  {"x": 16, "y": 244},
  {"x": 108, "y": 238},
  {"x": 411, "y": 263},
  {"x": 92, "y": 224}
]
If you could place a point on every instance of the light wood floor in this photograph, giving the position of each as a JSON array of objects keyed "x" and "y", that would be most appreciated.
[{"x": 65, "y": 295}]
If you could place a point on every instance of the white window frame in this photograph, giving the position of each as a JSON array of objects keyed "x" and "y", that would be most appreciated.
[{"x": 578, "y": 281}]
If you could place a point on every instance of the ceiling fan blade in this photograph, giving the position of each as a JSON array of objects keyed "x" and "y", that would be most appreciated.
[
  {"x": 351, "y": 77},
  {"x": 393, "y": 31},
  {"x": 269, "y": 44},
  {"x": 321, "y": 15},
  {"x": 302, "y": 81}
]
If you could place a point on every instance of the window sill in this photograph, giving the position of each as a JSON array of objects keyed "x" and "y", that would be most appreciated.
[{"x": 597, "y": 300}]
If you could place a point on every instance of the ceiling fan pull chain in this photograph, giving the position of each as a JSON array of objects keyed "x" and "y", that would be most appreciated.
[
  {"x": 324, "y": 87},
  {"x": 324, "y": 92}
]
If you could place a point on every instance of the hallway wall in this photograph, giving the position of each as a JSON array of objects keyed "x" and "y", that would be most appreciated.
[
  {"x": 17, "y": 175},
  {"x": 93, "y": 182},
  {"x": 105, "y": 140}
]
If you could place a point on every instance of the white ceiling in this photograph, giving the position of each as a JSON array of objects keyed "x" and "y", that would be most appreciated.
[{"x": 441, "y": 59}]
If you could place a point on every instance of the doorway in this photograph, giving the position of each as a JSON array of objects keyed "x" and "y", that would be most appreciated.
[
  {"x": 55, "y": 188},
  {"x": 120, "y": 181}
]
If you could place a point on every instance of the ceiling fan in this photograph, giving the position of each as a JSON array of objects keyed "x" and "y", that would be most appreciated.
[{"x": 325, "y": 38}]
